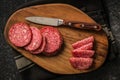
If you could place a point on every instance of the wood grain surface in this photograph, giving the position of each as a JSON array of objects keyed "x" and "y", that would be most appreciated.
[{"x": 60, "y": 63}]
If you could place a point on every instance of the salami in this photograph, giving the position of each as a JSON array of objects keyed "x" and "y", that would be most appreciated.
[
  {"x": 88, "y": 46},
  {"x": 81, "y": 63},
  {"x": 41, "y": 48},
  {"x": 36, "y": 40},
  {"x": 20, "y": 34},
  {"x": 83, "y": 42},
  {"x": 83, "y": 53},
  {"x": 53, "y": 40}
]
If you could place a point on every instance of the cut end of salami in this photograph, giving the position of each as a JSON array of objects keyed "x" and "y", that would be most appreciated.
[
  {"x": 20, "y": 34},
  {"x": 53, "y": 40},
  {"x": 83, "y": 42},
  {"x": 36, "y": 39},
  {"x": 81, "y": 63},
  {"x": 83, "y": 53}
]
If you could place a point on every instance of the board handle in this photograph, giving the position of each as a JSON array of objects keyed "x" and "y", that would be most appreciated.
[{"x": 83, "y": 25}]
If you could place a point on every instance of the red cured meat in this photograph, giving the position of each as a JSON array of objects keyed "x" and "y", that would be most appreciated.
[
  {"x": 81, "y": 63},
  {"x": 53, "y": 40},
  {"x": 36, "y": 39},
  {"x": 88, "y": 46},
  {"x": 83, "y": 53},
  {"x": 83, "y": 42},
  {"x": 41, "y": 48},
  {"x": 20, "y": 34}
]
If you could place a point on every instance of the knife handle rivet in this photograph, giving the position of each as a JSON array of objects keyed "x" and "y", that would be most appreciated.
[
  {"x": 82, "y": 25},
  {"x": 95, "y": 27},
  {"x": 69, "y": 23}
]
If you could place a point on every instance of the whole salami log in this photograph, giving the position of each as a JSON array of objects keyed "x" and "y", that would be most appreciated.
[
  {"x": 83, "y": 42},
  {"x": 36, "y": 40},
  {"x": 20, "y": 34},
  {"x": 53, "y": 40},
  {"x": 81, "y": 63}
]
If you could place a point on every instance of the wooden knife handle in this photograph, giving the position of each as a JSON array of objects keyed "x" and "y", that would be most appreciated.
[{"x": 83, "y": 25}]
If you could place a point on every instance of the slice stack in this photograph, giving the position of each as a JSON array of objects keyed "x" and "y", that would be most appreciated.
[
  {"x": 82, "y": 53},
  {"x": 47, "y": 40}
]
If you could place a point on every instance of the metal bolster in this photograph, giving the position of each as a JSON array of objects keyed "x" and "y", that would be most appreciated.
[{"x": 60, "y": 22}]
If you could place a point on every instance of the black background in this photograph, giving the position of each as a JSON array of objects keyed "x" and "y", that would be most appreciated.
[{"x": 8, "y": 71}]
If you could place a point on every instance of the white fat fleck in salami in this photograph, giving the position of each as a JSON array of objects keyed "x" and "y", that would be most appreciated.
[
  {"x": 20, "y": 34},
  {"x": 36, "y": 39},
  {"x": 53, "y": 40},
  {"x": 81, "y": 63},
  {"x": 83, "y": 42}
]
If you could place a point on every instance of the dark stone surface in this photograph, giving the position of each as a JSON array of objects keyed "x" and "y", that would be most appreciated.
[{"x": 8, "y": 70}]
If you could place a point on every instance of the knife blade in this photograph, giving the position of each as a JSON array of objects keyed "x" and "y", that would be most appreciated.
[{"x": 58, "y": 22}]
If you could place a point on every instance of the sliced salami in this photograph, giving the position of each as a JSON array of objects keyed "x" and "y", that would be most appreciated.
[
  {"x": 41, "y": 48},
  {"x": 20, "y": 34},
  {"x": 83, "y": 42},
  {"x": 81, "y": 63},
  {"x": 36, "y": 40},
  {"x": 83, "y": 53},
  {"x": 88, "y": 46},
  {"x": 53, "y": 40}
]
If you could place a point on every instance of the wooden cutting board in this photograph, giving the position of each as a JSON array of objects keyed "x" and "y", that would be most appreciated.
[{"x": 60, "y": 63}]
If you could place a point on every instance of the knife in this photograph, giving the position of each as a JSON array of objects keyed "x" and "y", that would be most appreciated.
[{"x": 58, "y": 22}]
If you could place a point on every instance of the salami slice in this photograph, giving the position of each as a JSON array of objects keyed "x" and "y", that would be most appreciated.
[
  {"x": 53, "y": 40},
  {"x": 41, "y": 48},
  {"x": 20, "y": 34},
  {"x": 36, "y": 40},
  {"x": 88, "y": 46},
  {"x": 83, "y": 53},
  {"x": 83, "y": 42},
  {"x": 81, "y": 63}
]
